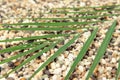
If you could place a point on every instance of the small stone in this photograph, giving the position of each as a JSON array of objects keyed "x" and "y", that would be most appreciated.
[
  {"x": 57, "y": 65},
  {"x": 115, "y": 35},
  {"x": 10, "y": 78},
  {"x": 101, "y": 70},
  {"x": 74, "y": 79},
  {"x": 53, "y": 65},
  {"x": 61, "y": 58},
  {"x": 70, "y": 57},
  {"x": 46, "y": 78},
  {"x": 104, "y": 78},
  {"x": 54, "y": 77},
  {"x": 57, "y": 71},
  {"x": 43, "y": 58},
  {"x": 23, "y": 78},
  {"x": 103, "y": 61},
  {"x": 82, "y": 4},
  {"x": 113, "y": 60},
  {"x": 67, "y": 62},
  {"x": 81, "y": 68},
  {"x": 109, "y": 68},
  {"x": 63, "y": 67},
  {"x": 65, "y": 55},
  {"x": 11, "y": 64},
  {"x": 17, "y": 63},
  {"x": 38, "y": 60}
]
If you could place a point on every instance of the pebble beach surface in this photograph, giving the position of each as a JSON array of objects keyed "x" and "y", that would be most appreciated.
[{"x": 11, "y": 10}]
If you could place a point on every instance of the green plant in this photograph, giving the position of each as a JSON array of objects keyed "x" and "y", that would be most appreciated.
[{"x": 42, "y": 44}]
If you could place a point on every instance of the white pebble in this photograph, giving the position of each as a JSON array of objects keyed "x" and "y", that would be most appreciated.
[
  {"x": 113, "y": 60},
  {"x": 103, "y": 61},
  {"x": 86, "y": 34},
  {"x": 86, "y": 63},
  {"x": 44, "y": 54},
  {"x": 53, "y": 65},
  {"x": 109, "y": 68},
  {"x": 81, "y": 68},
  {"x": 104, "y": 78},
  {"x": 63, "y": 67},
  {"x": 61, "y": 58},
  {"x": 57, "y": 71},
  {"x": 46, "y": 79},
  {"x": 70, "y": 57},
  {"x": 54, "y": 77},
  {"x": 101, "y": 69},
  {"x": 57, "y": 65},
  {"x": 82, "y": 4},
  {"x": 67, "y": 62}
]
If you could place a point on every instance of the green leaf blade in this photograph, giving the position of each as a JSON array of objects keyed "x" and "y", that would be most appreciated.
[
  {"x": 33, "y": 57},
  {"x": 63, "y": 48},
  {"x": 19, "y": 47},
  {"x": 102, "y": 49},
  {"x": 81, "y": 53},
  {"x": 37, "y": 47},
  {"x": 35, "y": 37}
]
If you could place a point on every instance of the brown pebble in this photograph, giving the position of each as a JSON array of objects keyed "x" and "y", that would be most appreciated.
[
  {"x": 17, "y": 63},
  {"x": 96, "y": 71},
  {"x": 115, "y": 35},
  {"x": 38, "y": 60},
  {"x": 23, "y": 79},
  {"x": 65, "y": 55}
]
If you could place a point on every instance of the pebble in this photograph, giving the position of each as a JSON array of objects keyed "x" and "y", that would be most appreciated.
[
  {"x": 55, "y": 77},
  {"x": 63, "y": 67},
  {"x": 22, "y": 78},
  {"x": 53, "y": 65},
  {"x": 113, "y": 60},
  {"x": 101, "y": 70},
  {"x": 61, "y": 57},
  {"x": 104, "y": 78},
  {"x": 81, "y": 68},
  {"x": 103, "y": 61},
  {"x": 11, "y": 64},
  {"x": 10, "y": 78},
  {"x": 57, "y": 71},
  {"x": 70, "y": 57},
  {"x": 17, "y": 63},
  {"x": 109, "y": 69}
]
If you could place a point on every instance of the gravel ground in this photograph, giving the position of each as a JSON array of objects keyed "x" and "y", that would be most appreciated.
[{"x": 10, "y": 10}]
